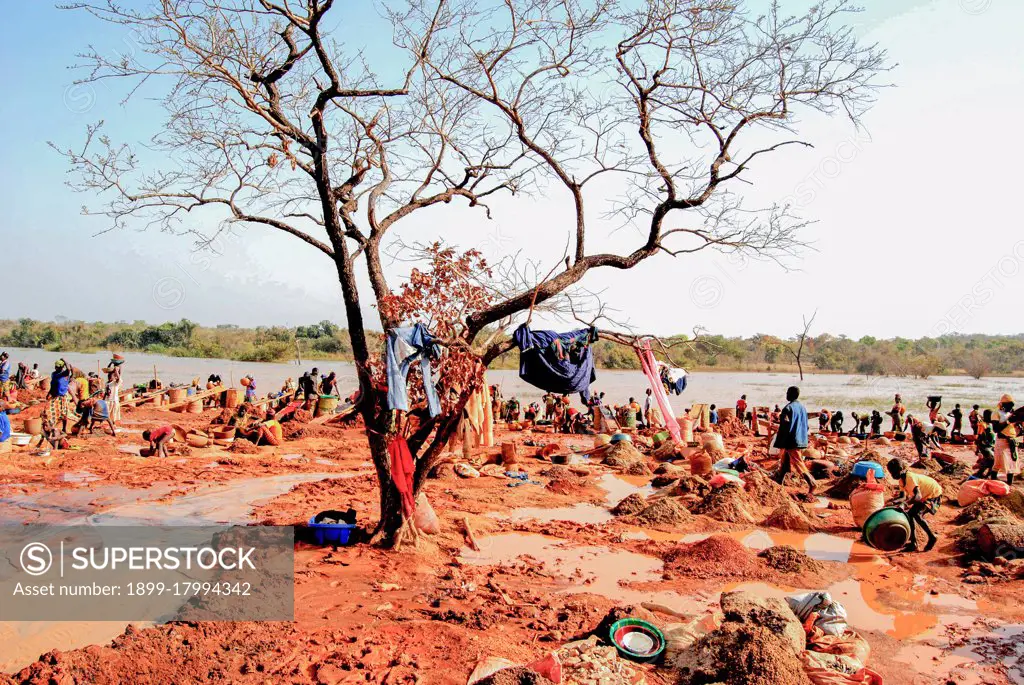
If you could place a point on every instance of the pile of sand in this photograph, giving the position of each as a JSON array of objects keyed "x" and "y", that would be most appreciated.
[
  {"x": 623, "y": 455},
  {"x": 745, "y": 654},
  {"x": 715, "y": 452},
  {"x": 637, "y": 469},
  {"x": 560, "y": 471},
  {"x": 632, "y": 504},
  {"x": 302, "y": 416},
  {"x": 729, "y": 503},
  {"x": 666, "y": 451},
  {"x": 984, "y": 508},
  {"x": 789, "y": 516},
  {"x": 786, "y": 559},
  {"x": 716, "y": 556},
  {"x": 663, "y": 480},
  {"x": 443, "y": 471},
  {"x": 243, "y": 446},
  {"x": 765, "y": 491},
  {"x": 518, "y": 675},
  {"x": 843, "y": 487},
  {"x": 1014, "y": 502},
  {"x": 663, "y": 511},
  {"x": 573, "y": 485},
  {"x": 688, "y": 484}
]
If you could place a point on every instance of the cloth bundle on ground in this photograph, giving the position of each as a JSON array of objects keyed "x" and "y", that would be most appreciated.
[
  {"x": 673, "y": 378},
  {"x": 405, "y": 346},
  {"x": 557, "y": 362},
  {"x": 973, "y": 490},
  {"x": 831, "y": 615}
]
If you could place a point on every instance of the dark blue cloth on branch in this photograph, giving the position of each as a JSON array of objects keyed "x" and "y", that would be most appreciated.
[{"x": 557, "y": 362}]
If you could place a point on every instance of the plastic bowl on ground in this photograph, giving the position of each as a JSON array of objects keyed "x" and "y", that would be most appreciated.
[
  {"x": 887, "y": 529},
  {"x": 331, "y": 533},
  {"x": 621, "y": 437},
  {"x": 21, "y": 439},
  {"x": 637, "y": 640},
  {"x": 861, "y": 469}
]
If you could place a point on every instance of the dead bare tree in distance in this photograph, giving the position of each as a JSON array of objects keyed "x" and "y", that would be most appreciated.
[
  {"x": 801, "y": 339},
  {"x": 274, "y": 120}
]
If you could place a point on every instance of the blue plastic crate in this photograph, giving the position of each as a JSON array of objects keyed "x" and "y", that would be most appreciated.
[{"x": 331, "y": 533}]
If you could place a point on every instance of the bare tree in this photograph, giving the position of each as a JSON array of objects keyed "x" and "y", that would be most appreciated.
[
  {"x": 274, "y": 121},
  {"x": 801, "y": 339}
]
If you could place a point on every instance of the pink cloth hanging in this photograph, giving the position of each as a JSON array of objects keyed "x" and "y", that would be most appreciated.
[{"x": 647, "y": 362}]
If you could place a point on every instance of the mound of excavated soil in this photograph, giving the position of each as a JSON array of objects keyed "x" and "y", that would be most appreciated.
[
  {"x": 665, "y": 510},
  {"x": 444, "y": 471},
  {"x": 662, "y": 480},
  {"x": 623, "y": 455},
  {"x": 691, "y": 485},
  {"x": 243, "y": 446},
  {"x": 562, "y": 471},
  {"x": 786, "y": 559},
  {"x": 1014, "y": 502},
  {"x": 729, "y": 503},
  {"x": 843, "y": 487},
  {"x": 632, "y": 504},
  {"x": 515, "y": 676},
  {"x": 981, "y": 510},
  {"x": 789, "y": 516},
  {"x": 743, "y": 654},
  {"x": 763, "y": 490},
  {"x": 716, "y": 556},
  {"x": 637, "y": 469},
  {"x": 567, "y": 486}
]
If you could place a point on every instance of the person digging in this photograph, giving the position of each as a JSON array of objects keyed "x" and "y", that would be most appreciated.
[
  {"x": 791, "y": 438},
  {"x": 919, "y": 495}
]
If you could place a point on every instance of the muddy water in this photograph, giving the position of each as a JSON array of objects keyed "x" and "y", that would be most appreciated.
[
  {"x": 229, "y": 503},
  {"x": 616, "y": 489}
]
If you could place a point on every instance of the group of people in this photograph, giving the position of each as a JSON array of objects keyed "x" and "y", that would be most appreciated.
[{"x": 556, "y": 410}]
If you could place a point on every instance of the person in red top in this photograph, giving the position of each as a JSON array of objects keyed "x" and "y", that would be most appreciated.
[
  {"x": 158, "y": 439},
  {"x": 741, "y": 407}
]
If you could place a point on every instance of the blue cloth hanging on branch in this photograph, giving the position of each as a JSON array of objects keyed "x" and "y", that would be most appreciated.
[
  {"x": 557, "y": 362},
  {"x": 405, "y": 346}
]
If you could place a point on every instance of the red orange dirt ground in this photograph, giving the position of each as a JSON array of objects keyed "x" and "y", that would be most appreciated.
[{"x": 429, "y": 614}]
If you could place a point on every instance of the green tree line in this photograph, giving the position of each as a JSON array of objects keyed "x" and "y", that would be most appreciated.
[{"x": 974, "y": 355}]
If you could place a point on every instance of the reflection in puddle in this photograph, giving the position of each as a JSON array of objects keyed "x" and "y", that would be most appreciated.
[{"x": 616, "y": 489}]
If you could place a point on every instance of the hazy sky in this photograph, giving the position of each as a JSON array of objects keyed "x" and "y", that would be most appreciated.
[{"x": 917, "y": 230}]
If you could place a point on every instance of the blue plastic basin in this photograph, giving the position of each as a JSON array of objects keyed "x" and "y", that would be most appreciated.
[{"x": 331, "y": 533}]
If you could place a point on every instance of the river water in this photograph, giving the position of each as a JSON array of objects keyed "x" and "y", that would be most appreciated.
[{"x": 834, "y": 391}]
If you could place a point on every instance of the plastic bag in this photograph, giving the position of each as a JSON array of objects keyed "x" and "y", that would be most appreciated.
[
  {"x": 831, "y": 614},
  {"x": 466, "y": 471},
  {"x": 720, "y": 479},
  {"x": 424, "y": 516},
  {"x": 487, "y": 667}
]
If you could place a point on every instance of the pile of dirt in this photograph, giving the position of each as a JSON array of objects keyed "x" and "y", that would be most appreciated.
[
  {"x": 765, "y": 491},
  {"x": 443, "y": 471},
  {"x": 843, "y": 487},
  {"x": 637, "y": 469},
  {"x": 561, "y": 471},
  {"x": 716, "y": 556},
  {"x": 957, "y": 469},
  {"x": 981, "y": 510},
  {"x": 302, "y": 416},
  {"x": 243, "y": 446},
  {"x": 666, "y": 451},
  {"x": 632, "y": 504},
  {"x": 789, "y": 516},
  {"x": 623, "y": 455},
  {"x": 1014, "y": 502},
  {"x": 688, "y": 484},
  {"x": 729, "y": 503},
  {"x": 742, "y": 654},
  {"x": 572, "y": 485},
  {"x": 663, "y": 480},
  {"x": 927, "y": 464},
  {"x": 786, "y": 559},
  {"x": 716, "y": 453},
  {"x": 663, "y": 511},
  {"x": 518, "y": 675}
]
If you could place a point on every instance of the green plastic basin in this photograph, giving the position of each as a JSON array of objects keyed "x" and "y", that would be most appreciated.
[{"x": 887, "y": 529}]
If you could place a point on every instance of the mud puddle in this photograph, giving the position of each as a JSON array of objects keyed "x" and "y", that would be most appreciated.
[
  {"x": 616, "y": 489},
  {"x": 224, "y": 503}
]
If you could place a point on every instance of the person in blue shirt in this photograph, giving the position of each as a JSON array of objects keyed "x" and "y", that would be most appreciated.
[
  {"x": 714, "y": 415},
  {"x": 5, "y": 375},
  {"x": 60, "y": 407},
  {"x": 5, "y": 428},
  {"x": 791, "y": 438}
]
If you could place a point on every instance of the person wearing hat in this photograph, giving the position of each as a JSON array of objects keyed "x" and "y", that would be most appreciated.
[
  {"x": 920, "y": 494},
  {"x": 1006, "y": 458},
  {"x": 113, "y": 390},
  {"x": 60, "y": 407}
]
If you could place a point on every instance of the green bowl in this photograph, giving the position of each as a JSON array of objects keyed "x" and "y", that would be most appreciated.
[
  {"x": 887, "y": 529},
  {"x": 621, "y": 630}
]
